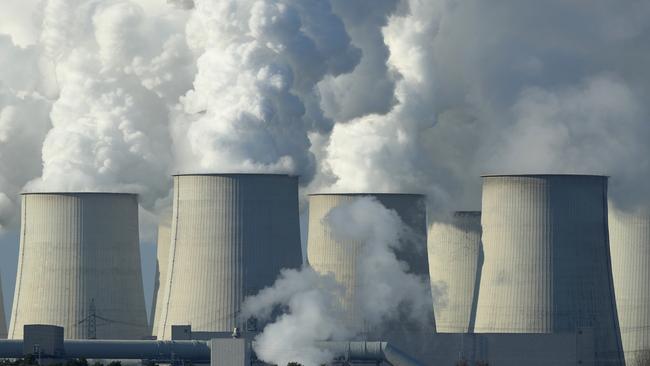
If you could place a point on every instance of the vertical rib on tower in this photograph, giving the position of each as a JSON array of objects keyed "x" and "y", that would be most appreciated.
[
  {"x": 3, "y": 321},
  {"x": 162, "y": 259},
  {"x": 327, "y": 255},
  {"x": 455, "y": 260},
  {"x": 80, "y": 251},
  {"x": 547, "y": 267},
  {"x": 630, "y": 248},
  {"x": 231, "y": 236}
]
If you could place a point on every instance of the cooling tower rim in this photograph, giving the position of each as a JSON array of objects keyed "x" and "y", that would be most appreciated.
[
  {"x": 234, "y": 175},
  {"x": 78, "y": 193},
  {"x": 543, "y": 175},
  {"x": 368, "y": 194}
]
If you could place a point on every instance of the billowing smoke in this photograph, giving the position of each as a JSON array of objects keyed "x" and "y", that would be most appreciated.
[
  {"x": 115, "y": 82},
  {"x": 519, "y": 87},
  {"x": 252, "y": 104},
  {"x": 23, "y": 124},
  {"x": 314, "y": 307}
]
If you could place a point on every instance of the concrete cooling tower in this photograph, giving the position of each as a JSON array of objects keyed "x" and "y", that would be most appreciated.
[
  {"x": 162, "y": 259},
  {"x": 547, "y": 263},
  {"x": 455, "y": 259},
  {"x": 630, "y": 248},
  {"x": 79, "y": 266},
  {"x": 231, "y": 235},
  {"x": 325, "y": 254},
  {"x": 3, "y": 321}
]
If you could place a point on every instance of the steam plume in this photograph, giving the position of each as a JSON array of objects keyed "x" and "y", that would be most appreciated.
[{"x": 310, "y": 301}]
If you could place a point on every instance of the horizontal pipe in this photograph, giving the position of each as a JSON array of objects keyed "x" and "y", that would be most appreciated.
[
  {"x": 198, "y": 351},
  {"x": 144, "y": 350},
  {"x": 370, "y": 351},
  {"x": 10, "y": 348}
]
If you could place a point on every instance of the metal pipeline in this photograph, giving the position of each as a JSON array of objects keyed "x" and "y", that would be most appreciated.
[
  {"x": 370, "y": 351},
  {"x": 197, "y": 351},
  {"x": 11, "y": 348}
]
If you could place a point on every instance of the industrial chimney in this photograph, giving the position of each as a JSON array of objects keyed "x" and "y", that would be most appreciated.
[
  {"x": 79, "y": 266},
  {"x": 231, "y": 235},
  {"x": 162, "y": 259},
  {"x": 455, "y": 259},
  {"x": 328, "y": 255},
  {"x": 630, "y": 247},
  {"x": 547, "y": 263}
]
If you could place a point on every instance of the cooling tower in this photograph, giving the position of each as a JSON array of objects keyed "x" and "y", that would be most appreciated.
[
  {"x": 3, "y": 321},
  {"x": 162, "y": 259},
  {"x": 231, "y": 236},
  {"x": 328, "y": 255},
  {"x": 79, "y": 266},
  {"x": 546, "y": 259},
  {"x": 630, "y": 248},
  {"x": 455, "y": 260}
]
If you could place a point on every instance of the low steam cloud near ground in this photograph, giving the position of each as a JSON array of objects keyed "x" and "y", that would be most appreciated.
[
  {"x": 383, "y": 95},
  {"x": 313, "y": 305}
]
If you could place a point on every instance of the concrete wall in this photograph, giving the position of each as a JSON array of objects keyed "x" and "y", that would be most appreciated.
[
  {"x": 231, "y": 236},
  {"x": 327, "y": 255},
  {"x": 162, "y": 259},
  {"x": 78, "y": 249},
  {"x": 630, "y": 248},
  {"x": 455, "y": 259},
  {"x": 3, "y": 319},
  {"x": 547, "y": 267}
]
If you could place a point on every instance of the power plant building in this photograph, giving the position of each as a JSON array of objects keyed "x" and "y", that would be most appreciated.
[
  {"x": 79, "y": 266},
  {"x": 162, "y": 259},
  {"x": 455, "y": 259},
  {"x": 547, "y": 265},
  {"x": 340, "y": 257},
  {"x": 630, "y": 247},
  {"x": 231, "y": 235}
]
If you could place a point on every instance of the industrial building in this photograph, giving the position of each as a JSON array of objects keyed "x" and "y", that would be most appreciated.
[
  {"x": 528, "y": 280},
  {"x": 547, "y": 262},
  {"x": 629, "y": 235},
  {"x": 455, "y": 259},
  {"x": 162, "y": 259},
  {"x": 326, "y": 254},
  {"x": 231, "y": 234},
  {"x": 79, "y": 266}
]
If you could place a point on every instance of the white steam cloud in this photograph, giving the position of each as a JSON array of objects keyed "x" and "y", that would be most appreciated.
[
  {"x": 509, "y": 88},
  {"x": 316, "y": 308},
  {"x": 418, "y": 95},
  {"x": 258, "y": 66}
]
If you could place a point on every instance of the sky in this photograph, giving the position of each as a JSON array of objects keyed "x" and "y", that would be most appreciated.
[{"x": 418, "y": 96}]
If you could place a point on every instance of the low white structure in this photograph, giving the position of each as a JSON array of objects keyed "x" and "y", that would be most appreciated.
[
  {"x": 630, "y": 247},
  {"x": 79, "y": 266},
  {"x": 162, "y": 259},
  {"x": 231, "y": 235},
  {"x": 547, "y": 263},
  {"x": 455, "y": 259}
]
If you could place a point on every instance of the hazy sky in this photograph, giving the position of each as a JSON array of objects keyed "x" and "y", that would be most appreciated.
[{"x": 383, "y": 95}]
